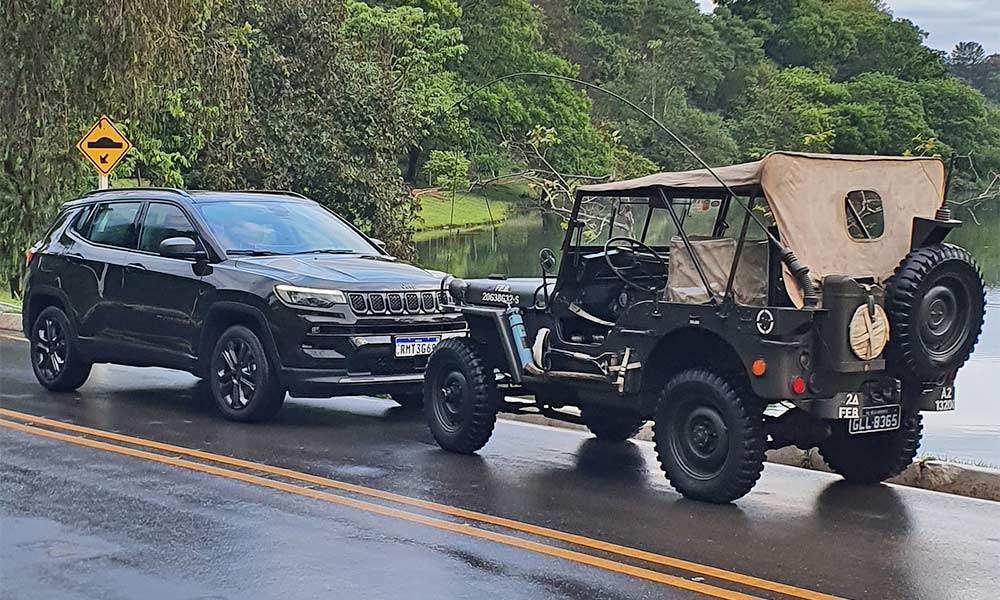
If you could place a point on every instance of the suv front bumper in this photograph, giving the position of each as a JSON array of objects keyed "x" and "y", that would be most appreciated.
[{"x": 371, "y": 368}]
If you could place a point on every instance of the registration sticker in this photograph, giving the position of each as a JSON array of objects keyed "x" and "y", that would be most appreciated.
[
  {"x": 415, "y": 346},
  {"x": 876, "y": 418}
]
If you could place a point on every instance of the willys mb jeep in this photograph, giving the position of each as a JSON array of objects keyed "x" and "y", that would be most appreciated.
[{"x": 804, "y": 300}]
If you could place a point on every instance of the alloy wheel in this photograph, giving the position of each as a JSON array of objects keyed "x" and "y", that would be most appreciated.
[
  {"x": 50, "y": 348},
  {"x": 237, "y": 376}
]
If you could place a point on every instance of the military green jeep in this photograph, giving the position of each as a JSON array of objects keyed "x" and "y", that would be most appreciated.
[{"x": 804, "y": 300}]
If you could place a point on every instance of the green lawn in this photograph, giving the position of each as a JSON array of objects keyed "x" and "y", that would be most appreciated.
[
  {"x": 7, "y": 298},
  {"x": 436, "y": 211}
]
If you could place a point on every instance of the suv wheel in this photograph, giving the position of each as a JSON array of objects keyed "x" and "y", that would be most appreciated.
[
  {"x": 460, "y": 396},
  {"x": 244, "y": 384},
  {"x": 55, "y": 352},
  {"x": 611, "y": 425},
  {"x": 873, "y": 457},
  {"x": 408, "y": 399},
  {"x": 709, "y": 439}
]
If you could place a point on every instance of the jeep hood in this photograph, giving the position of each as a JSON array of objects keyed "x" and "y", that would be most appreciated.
[{"x": 359, "y": 272}]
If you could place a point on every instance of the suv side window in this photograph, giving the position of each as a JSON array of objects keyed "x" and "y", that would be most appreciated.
[
  {"x": 164, "y": 221},
  {"x": 113, "y": 224},
  {"x": 82, "y": 220}
]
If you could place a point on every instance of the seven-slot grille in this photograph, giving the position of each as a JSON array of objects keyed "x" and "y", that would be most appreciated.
[{"x": 380, "y": 303}]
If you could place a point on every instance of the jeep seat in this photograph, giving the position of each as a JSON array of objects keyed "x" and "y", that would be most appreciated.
[{"x": 716, "y": 255}]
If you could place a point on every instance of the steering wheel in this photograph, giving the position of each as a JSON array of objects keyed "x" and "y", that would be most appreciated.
[{"x": 647, "y": 254}]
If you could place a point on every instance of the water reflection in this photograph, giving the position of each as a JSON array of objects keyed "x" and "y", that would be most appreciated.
[{"x": 970, "y": 433}]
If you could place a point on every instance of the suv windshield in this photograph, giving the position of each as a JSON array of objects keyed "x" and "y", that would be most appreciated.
[{"x": 255, "y": 227}]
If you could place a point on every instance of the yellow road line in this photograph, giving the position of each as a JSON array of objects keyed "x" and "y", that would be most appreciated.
[
  {"x": 667, "y": 561},
  {"x": 570, "y": 555}
]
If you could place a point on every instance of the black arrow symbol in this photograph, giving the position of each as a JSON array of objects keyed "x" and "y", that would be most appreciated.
[{"x": 104, "y": 159}]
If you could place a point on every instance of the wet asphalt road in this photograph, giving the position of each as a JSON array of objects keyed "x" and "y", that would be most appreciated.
[{"x": 81, "y": 522}]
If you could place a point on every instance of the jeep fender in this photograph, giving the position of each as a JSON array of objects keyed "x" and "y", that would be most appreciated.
[{"x": 489, "y": 327}]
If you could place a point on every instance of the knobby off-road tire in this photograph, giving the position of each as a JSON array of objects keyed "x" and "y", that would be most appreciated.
[
  {"x": 610, "y": 425},
  {"x": 244, "y": 383},
  {"x": 873, "y": 457},
  {"x": 935, "y": 301},
  {"x": 709, "y": 437},
  {"x": 411, "y": 400},
  {"x": 460, "y": 396},
  {"x": 55, "y": 352}
]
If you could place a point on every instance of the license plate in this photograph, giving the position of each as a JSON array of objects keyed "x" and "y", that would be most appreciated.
[
  {"x": 415, "y": 346},
  {"x": 875, "y": 418}
]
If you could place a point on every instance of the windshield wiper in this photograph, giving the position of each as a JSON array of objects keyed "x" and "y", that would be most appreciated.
[
  {"x": 327, "y": 251},
  {"x": 253, "y": 253}
]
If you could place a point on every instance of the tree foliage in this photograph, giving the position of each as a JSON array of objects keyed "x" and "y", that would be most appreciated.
[{"x": 349, "y": 101}]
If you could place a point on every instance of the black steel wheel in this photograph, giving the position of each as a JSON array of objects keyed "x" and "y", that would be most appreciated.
[
  {"x": 709, "y": 439},
  {"x": 873, "y": 457},
  {"x": 936, "y": 305},
  {"x": 244, "y": 384},
  {"x": 609, "y": 424},
  {"x": 460, "y": 396},
  {"x": 55, "y": 354},
  {"x": 412, "y": 400}
]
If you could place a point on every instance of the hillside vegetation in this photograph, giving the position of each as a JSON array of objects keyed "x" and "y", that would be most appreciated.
[{"x": 353, "y": 102}]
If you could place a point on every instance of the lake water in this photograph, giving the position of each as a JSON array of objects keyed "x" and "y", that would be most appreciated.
[{"x": 971, "y": 433}]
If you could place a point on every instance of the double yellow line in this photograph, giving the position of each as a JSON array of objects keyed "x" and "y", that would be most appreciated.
[{"x": 442, "y": 509}]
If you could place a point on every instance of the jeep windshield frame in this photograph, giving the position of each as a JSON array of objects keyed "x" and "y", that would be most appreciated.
[{"x": 677, "y": 203}]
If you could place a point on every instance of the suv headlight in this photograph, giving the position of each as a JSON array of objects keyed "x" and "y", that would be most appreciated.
[{"x": 300, "y": 297}]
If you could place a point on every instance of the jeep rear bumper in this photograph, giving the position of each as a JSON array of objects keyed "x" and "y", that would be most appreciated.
[{"x": 848, "y": 405}]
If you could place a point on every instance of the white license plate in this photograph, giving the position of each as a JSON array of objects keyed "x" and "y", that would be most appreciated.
[
  {"x": 416, "y": 345},
  {"x": 875, "y": 418}
]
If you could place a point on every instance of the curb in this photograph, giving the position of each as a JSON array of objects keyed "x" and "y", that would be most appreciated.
[
  {"x": 11, "y": 321},
  {"x": 934, "y": 475}
]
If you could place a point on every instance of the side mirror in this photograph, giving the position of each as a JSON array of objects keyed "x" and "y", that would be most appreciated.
[
  {"x": 547, "y": 260},
  {"x": 379, "y": 243},
  {"x": 183, "y": 248}
]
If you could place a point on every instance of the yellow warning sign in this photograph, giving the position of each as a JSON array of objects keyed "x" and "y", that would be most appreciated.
[{"x": 104, "y": 146}]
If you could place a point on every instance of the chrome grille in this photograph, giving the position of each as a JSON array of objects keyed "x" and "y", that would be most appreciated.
[
  {"x": 358, "y": 303},
  {"x": 395, "y": 303},
  {"x": 376, "y": 302},
  {"x": 412, "y": 302},
  {"x": 427, "y": 302},
  {"x": 380, "y": 303}
]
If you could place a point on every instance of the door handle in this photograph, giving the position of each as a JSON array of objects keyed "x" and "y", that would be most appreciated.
[{"x": 136, "y": 265}]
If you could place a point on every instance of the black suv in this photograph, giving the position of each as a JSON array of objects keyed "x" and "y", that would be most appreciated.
[{"x": 258, "y": 293}]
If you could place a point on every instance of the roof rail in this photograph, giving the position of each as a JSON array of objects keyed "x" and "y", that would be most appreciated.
[
  {"x": 153, "y": 189},
  {"x": 286, "y": 192}
]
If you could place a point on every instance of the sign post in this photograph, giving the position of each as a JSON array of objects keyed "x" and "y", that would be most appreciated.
[{"x": 104, "y": 147}]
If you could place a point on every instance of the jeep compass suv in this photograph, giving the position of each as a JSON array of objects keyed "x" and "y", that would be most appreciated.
[{"x": 258, "y": 293}]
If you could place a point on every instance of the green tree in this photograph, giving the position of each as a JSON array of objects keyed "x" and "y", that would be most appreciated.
[
  {"x": 163, "y": 68},
  {"x": 341, "y": 91}
]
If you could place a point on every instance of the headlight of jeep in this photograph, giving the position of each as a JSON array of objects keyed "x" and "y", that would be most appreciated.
[{"x": 300, "y": 297}]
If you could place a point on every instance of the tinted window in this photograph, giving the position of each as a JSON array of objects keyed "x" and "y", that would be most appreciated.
[
  {"x": 82, "y": 220},
  {"x": 113, "y": 224},
  {"x": 864, "y": 215},
  {"x": 163, "y": 221},
  {"x": 280, "y": 227}
]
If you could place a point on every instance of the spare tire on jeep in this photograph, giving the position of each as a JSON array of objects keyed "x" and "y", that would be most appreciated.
[{"x": 936, "y": 302}]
